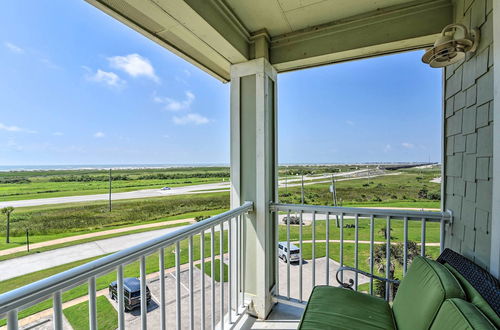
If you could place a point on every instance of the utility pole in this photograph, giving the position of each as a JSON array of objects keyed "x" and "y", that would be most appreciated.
[
  {"x": 110, "y": 180},
  {"x": 302, "y": 190},
  {"x": 27, "y": 239}
]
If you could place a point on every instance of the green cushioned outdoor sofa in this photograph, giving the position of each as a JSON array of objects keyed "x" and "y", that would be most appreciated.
[{"x": 450, "y": 293}]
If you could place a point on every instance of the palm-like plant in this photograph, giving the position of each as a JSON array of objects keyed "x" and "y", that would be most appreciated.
[
  {"x": 383, "y": 231},
  {"x": 396, "y": 259},
  {"x": 7, "y": 211}
]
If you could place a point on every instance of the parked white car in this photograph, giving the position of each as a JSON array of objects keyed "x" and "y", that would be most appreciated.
[{"x": 294, "y": 252}]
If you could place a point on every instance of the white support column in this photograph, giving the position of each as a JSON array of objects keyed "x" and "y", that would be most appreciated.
[
  {"x": 495, "y": 216},
  {"x": 253, "y": 173}
]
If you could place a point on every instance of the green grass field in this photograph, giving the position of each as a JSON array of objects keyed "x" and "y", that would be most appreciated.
[
  {"x": 78, "y": 315},
  {"x": 208, "y": 270}
]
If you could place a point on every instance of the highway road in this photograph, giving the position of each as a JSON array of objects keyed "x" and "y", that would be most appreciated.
[{"x": 193, "y": 189}]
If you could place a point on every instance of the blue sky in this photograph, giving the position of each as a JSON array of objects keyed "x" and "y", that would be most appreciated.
[{"x": 78, "y": 87}]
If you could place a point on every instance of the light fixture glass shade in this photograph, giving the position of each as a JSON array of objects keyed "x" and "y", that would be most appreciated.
[{"x": 455, "y": 41}]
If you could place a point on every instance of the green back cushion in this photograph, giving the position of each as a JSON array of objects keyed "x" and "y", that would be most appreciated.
[
  {"x": 458, "y": 314},
  {"x": 475, "y": 297},
  {"x": 424, "y": 288}
]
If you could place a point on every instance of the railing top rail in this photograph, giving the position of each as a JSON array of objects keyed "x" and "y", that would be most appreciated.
[
  {"x": 393, "y": 213},
  {"x": 34, "y": 292}
]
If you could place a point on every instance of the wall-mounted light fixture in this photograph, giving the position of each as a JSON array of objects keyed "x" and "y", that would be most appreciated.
[{"x": 455, "y": 41}]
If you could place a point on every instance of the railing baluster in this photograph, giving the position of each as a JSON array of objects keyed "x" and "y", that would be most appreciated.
[
  {"x": 244, "y": 261},
  {"x": 327, "y": 238},
  {"x": 92, "y": 305},
  {"x": 288, "y": 256},
  {"x": 144, "y": 301},
  {"x": 300, "y": 257},
  {"x": 212, "y": 273},
  {"x": 178, "y": 285},
  {"x": 422, "y": 241},
  {"x": 405, "y": 242},
  {"x": 230, "y": 270},
  {"x": 341, "y": 245},
  {"x": 221, "y": 274},
  {"x": 121, "y": 298},
  {"x": 276, "y": 254},
  {"x": 163, "y": 312},
  {"x": 314, "y": 249},
  {"x": 388, "y": 256},
  {"x": 12, "y": 323},
  {"x": 202, "y": 275},
  {"x": 441, "y": 235},
  {"x": 356, "y": 227},
  {"x": 57, "y": 313},
  {"x": 191, "y": 285},
  {"x": 238, "y": 265},
  {"x": 372, "y": 239}
]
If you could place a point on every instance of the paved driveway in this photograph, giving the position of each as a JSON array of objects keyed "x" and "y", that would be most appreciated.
[{"x": 133, "y": 319}]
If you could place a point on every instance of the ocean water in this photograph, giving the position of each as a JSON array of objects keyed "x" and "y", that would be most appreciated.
[{"x": 8, "y": 168}]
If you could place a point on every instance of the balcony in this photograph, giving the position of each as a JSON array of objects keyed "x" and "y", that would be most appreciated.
[
  {"x": 184, "y": 297},
  {"x": 249, "y": 45}
]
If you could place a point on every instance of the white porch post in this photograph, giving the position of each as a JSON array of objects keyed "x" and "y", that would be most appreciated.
[{"x": 253, "y": 173}]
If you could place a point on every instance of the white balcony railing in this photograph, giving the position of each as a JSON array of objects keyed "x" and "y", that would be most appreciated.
[
  {"x": 231, "y": 222},
  {"x": 356, "y": 217},
  {"x": 223, "y": 307}
]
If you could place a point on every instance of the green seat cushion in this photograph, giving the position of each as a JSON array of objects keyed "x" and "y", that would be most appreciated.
[
  {"x": 458, "y": 314},
  {"x": 425, "y": 287},
  {"x": 475, "y": 297},
  {"x": 338, "y": 308}
]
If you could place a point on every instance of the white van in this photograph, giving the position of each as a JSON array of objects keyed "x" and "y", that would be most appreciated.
[{"x": 294, "y": 252}]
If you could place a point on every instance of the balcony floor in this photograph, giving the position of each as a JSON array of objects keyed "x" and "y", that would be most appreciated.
[{"x": 283, "y": 316}]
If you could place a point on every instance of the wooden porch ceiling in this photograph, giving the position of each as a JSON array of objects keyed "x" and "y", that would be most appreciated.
[{"x": 213, "y": 34}]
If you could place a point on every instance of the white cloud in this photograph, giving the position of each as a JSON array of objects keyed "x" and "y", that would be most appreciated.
[
  {"x": 387, "y": 148},
  {"x": 108, "y": 78},
  {"x": 49, "y": 64},
  {"x": 14, "y": 128},
  {"x": 407, "y": 145},
  {"x": 190, "y": 118},
  {"x": 349, "y": 122},
  {"x": 99, "y": 135},
  {"x": 58, "y": 133},
  {"x": 176, "y": 105},
  {"x": 135, "y": 65},
  {"x": 14, "y": 48}
]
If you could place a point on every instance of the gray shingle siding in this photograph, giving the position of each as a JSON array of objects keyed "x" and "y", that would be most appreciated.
[{"x": 468, "y": 130}]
